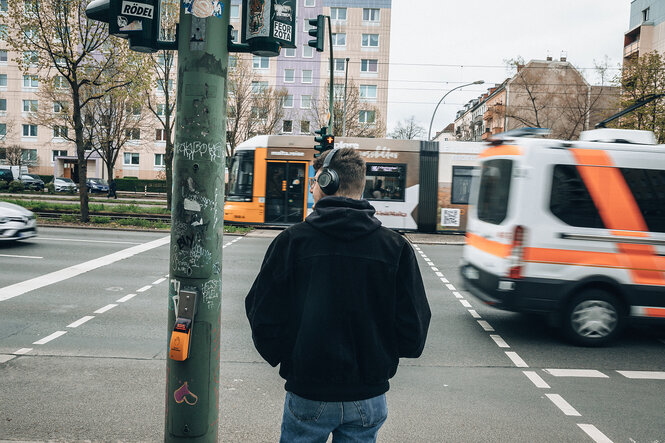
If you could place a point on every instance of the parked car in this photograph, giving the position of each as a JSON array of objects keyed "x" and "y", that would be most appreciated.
[
  {"x": 63, "y": 184},
  {"x": 6, "y": 175},
  {"x": 16, "y": 222},
  {"x": 97, "y": 185},
  {"x": 32, "y": 181}
]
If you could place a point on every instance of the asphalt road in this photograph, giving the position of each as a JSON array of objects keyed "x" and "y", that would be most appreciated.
[{"x": 83, "y": 339}]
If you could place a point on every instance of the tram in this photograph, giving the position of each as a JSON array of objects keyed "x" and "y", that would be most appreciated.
[{"x": 413, "y": 185}]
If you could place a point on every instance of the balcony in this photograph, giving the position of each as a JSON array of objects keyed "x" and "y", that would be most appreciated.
[{"x": 631, "y": 48}]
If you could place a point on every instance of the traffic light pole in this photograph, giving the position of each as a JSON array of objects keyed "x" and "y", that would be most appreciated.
[
  {"x": 195, "y": 289},
  {"x": 332, "y": 78}
]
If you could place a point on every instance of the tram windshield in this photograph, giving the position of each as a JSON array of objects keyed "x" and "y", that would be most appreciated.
[{"x": 241, "y": 177}]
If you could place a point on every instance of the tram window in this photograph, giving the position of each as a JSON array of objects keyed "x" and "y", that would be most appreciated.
[
  {"x": 461, "y": 186},
  {"x": 385, "y": 182},
  {"x": 241, "y": 179}
]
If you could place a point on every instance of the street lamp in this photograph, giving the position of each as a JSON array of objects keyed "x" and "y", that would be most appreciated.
[{"x": 477, "y": 82}]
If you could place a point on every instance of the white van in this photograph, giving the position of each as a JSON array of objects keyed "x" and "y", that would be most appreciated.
[{"x": 575, "y": 229}]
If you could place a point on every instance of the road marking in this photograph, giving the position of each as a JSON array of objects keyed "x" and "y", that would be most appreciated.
[
  {"x": 451, "y": 287},
  {"x": 105, "y": 308},
  {"x": 486, "y": 326},
  {"x": 562, "y": 404},
  {"x": 435, "y": 269},
  {"x": 465, "y": 303},
  {"x": 644, "y": 375},
  {"x": 594, "y": 433},
  {"x": 444, "y": 279},
  {"x": 439, "y": 274},
  {"x": 457, "y": 294},
  {"x": 22, "y": 351},
  {"x": 474, "y": 314},
  {"x": 4, "y": 358},
  {"x": 516, "y": 359},
  {"x": 47, "y": 339},
  {"x": 143, "y": 289},
  {"x": 500, "y": 342},
  {"x": 156, "y": 282},
  {"x": 589, "y": 373},
  {"x": 80, "y": 321},
  {"x": 125, "y": 298},
  {"x": 55, "y": 277},
  {"x": 88, "y": 241},
  {"x": 536, "y": 379},
  {"x": 19, "y": 256}
]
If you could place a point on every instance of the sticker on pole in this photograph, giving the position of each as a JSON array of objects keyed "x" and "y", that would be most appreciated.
[
  {"x": 142, "y": 10},
  {"x": 124, "y": 25},
  {"x": 204, "y": 8}
]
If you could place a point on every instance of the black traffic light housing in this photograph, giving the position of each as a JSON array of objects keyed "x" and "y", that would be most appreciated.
[
  {"x": 321, "y": 140},
  {"x": 328, "y": 142},
  {"x": 318, "y": 31}
]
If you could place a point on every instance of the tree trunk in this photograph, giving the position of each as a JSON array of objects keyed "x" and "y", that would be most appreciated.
[{"x": 80, "y": 153}]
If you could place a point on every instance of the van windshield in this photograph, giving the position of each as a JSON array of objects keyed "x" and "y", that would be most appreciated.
[{"x": 494, "y": 190}]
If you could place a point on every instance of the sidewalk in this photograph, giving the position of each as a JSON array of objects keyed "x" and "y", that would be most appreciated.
[{"x": 413, "y": 237}]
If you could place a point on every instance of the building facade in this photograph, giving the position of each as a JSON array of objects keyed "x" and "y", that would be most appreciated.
[{"x": 646, "y": 31}]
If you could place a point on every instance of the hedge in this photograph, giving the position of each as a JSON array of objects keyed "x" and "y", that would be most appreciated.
[{"x": 132, "y": 184}]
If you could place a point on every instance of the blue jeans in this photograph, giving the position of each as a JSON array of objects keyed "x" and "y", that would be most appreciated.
[{"x": 310, "y": 421}]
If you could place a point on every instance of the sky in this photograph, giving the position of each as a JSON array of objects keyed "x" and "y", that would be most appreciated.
[{"x": 437, "y": 45}]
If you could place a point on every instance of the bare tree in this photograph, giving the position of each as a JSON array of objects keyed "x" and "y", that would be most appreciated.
[
  {"x": 58, "y": 44},
  {"x": 16, "y": 155},
  {"x": 408, "y": 129}
]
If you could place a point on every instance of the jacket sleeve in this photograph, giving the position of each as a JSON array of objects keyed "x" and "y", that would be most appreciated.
[
  {"x": 413, "y": 312},
  {"x": 268, "y": 303}
]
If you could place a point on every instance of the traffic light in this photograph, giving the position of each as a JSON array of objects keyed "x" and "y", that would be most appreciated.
[
  {"x": 318, "y": 31},
  {"x": 328, "y": 142},
  {"x": 137, "y": 21},
  {"x": 321, "y": 139}
]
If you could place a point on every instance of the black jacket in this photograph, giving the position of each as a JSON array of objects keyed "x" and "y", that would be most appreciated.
[{"x": 338, "y": 300}]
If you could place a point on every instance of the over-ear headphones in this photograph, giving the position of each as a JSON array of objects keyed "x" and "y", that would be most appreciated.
[{"x": 328, "y": 179}]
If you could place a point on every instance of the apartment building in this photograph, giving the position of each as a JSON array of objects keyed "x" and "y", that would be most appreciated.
[{"x": 646, "y": 29}]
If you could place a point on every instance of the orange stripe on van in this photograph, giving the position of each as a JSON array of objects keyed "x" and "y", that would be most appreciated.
[
  {"x": 490, "y": 246},
  {"x": 630, "y": 233},
  {"x": 619, "y": 212},
  {"x": 568, "y": 257},
  {"x": 501, "y": 150},
  {"x": 654, "y": 312}
]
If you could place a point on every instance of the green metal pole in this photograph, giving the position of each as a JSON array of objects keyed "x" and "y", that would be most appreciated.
[
  {"x": 331, "y": 119},
  {"x": 192, "y": 385}
]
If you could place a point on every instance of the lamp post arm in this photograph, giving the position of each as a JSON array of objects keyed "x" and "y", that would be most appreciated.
[{"x": 429, "y": 133}]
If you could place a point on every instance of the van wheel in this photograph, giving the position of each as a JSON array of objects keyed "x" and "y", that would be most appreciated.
[{"x": 594, "y": 318}]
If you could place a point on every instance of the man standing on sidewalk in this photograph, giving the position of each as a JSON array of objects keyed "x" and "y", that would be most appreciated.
[{"x": 338, "y": 301}]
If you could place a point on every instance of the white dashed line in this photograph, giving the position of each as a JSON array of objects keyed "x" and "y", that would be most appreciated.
[
  {"x": 80, "y": 321},
  {"x": 125, "y": 298},
  {"x": 458, "y": 295},
  {"x": 644, "y": 375},
  {"x": 594, "y": 433},
  {"x": 444, "y": 280},
  {"x": 536, "y": 379},
  {"x": 486, "y": 326},
  {"x": 500, "y": 342},
  {"x": 5, "y": 358},
  {"x": 474, "y": 314},
  {"x": 22, "y": 351},
  {"x": 105, "y": 308},
  {"x": 562, "y": 404},
  {"x": 435, "y": 269},
  {"x": 48, "y": 338},
  {"x": 465, "y": 303},
  {"x": 156, "y": 282},
  {"x": 516, "y": 359},
  {"x": 589, "y": 373},
  {"x": 19, "y": 256},
  {"x": 451, "y": 287},
  {"x": 439, "y": 274},
  {"x": 143, "y": 289}
]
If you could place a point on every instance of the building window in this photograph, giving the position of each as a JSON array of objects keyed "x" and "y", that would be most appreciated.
[
  {"x": 234, "y": 35},
  {"x": 368, "y": 92},
  {"x": 3, "y": 56},
  {"x": 306, "y": 101},
  {"x": 31, "y": 57},
  {"x": 370, "y": 40},
  {"x": 28, "y": 155},
  {"x": 371, "y": 15},
  {"x": 307, "y": 51},
  {"x": 3, "y": 6},
  {"x": 160, "y": 135},
  {"x": 367, "y": 117},
  {"x": 339, "y": 64},
  {"x": 259, "y": 62},
  {"x": 29, "y": 130},
  {"x": 307, "y": 76},
  {"x": 304, "y": 127},
  {"x": 59, "y": 82},
  {"x": 133, "y": 134},
  {"x": 159, "y": 160},
  {"x": 58, "y": 153},
  {"x": 3, "y": 80},
  {"x": 3, "y": 105},
  {"x": 3, "y": 130},
  {"x": 235, "y": 12},
  {"x": 59, "y": 131},
  {"x": 338, "y": 91},
  {"x": 339, "y": 39},
  {"x": 369, "y": 65},
  {"x": 287, "y": 126},
  {"x": 130, "y": 158},
  {"x": 233, "y": 61},
  {"x": 30, "y": 81},
  {"x": 30, "y": 105},
  {"x": 3, "y": 32},
  {"x": 310, "y": 3},
  {"x": 289, "y": 52},
  {"x": 289, "y": 75},
  {"x": 338, "y": 14},
  {"x": 161, "y": 109},
  {"x": 57, "y": 107},
  {"x": 259, "y": 87},
  {"x": 645, "y": 14},
  {"x": 288, "y": 101},
  {"x": 160, "y": 85}
]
